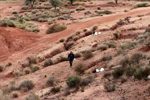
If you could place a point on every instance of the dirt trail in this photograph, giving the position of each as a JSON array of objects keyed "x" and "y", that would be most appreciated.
[{"x": 50, "y": 39}]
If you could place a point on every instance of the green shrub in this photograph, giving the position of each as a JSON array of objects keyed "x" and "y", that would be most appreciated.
[
  {"x": 136, "y": 57},
  {"x": 87, "y": 55},
  {"x": 130, "y": 70},
  {"x": 128, "y": 45},
  {"x": 80, "y": 68},
  {"x": 7, "y": 23},
  {"x": 109, "y": 87},
  {"x": 42, "y": 20},
  {"x": 51, "y": 81},
  {"x": 110, "y": 2},
  {"x": 68, "y": 45},
  {"x": 32, "y": 60},
  {"x": 118, "y": 72},
  {"x": 139, "y": 73},
  {"x": 34, "y": 67},
  {"x": 73, "y": 81},
  {"x": 55, "y": 28},
  {"x": 48, "y": 62},
  {"x": 27, "y": 70},
  {"x": 142, "y": 5},
  {"x": 32, "y": 96},
  {"x": 104, "y": 12},
  {"x": 55, "y": 89},
  {"x": 26, "y": 85},
  {"x": 25, "y": 8}
]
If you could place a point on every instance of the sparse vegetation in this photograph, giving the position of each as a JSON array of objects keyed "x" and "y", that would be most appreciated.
[
  {"x": 109, "y": 87},
  {"x": 80, "y": 68},
  {"x": 104, "y": 12},
  {"x": 55, "y": 89},
  {"x": 118, "y": 72},
  {"x": 51, "y": 81},
  {"x": 80, "y": 8},
  {"x": 32, "y": 96},
  {"x": 26, "y": 85},
  {"x": 55, "y": 28},
  {"x": 68, "y": 45},
  {"x": 48, "y": 62},
  {"x": 1, "y": 68},
  {"x": 87, "y": 55},
  {"x": 27, "y": 70},
  {"x": 73, "y": 81},
  {"x": 34, "y": 67},
  {"x": 15, "y": 94}
]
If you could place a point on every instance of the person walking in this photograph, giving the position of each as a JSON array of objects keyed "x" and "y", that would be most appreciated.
[{"x": 71, "y": 58}]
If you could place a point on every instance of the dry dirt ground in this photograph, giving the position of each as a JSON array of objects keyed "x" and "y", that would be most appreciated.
[{"x": 16, "y": 45}]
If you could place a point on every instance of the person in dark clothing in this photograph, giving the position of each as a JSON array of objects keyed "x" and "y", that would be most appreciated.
[{"x": 71, "y": 58}]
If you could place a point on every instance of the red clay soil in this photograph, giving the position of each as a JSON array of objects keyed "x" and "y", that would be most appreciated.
[
  {"x": 12, "y": 39},
  {"x": 53, "y": 38}
]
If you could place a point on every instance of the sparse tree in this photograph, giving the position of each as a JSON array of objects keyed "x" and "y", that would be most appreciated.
[
  {"x": 30, "y": 3},
  {"x": 54, "y": 3}
]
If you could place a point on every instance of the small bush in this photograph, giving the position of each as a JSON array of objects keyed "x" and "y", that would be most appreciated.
[
  {"x": 109, "y": 57},
  {"x": 32, "y": 60},
  {"x": 48, "y": 62},
  {"x": 135, "y": 58},
  {"x": 32, "y": 96},
  {"x": 80, "y": 8},
  {"x": 109, "y": 87},
  {"x": 80, "y": 68},
  {"x": 6, "y": 23},
  {"x": 103, "y": 47},
  {"x": 55, "y": 28},
  {"x": 118, "y": 72},
  {"x": 1, "y": 68},
  {"x": 111, "y": 44},
  {"x": 17, "y": 73},
  {"x": 26, "y": 85},
  {"x": 125, "y": 61},
  {"x": 62, "y": 58},
  {"x": 34, "y": 67},
  {"x": 27, "y": 70},
  {"x": 121, "y": 22},
  {"x": 61, "y": 40},
  {"x": 142, "y": 5},
  {"x": 123, "y": 79},
  {"x": 139, "y": 73},
  {"x": 51, "y": 81},
  {"x": 15, "y": 95},
  {"x": 117, "y": 35},
  {"x": 104, "y": 12},
  {"x": 87, "y": 55},
  {"x": 73, "y": 81},
  {"x": 130, "y": 70},
  {"x": 110, "y": 2},
  {"x": 98, "y": 8},
  {"x": 68, "y": 45},
  {"x": 87, "y": 80},
  {"x": 55, "y": 89},
  {"x": 95, "y": 28},
  {"x": 128, "y": 45}
]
